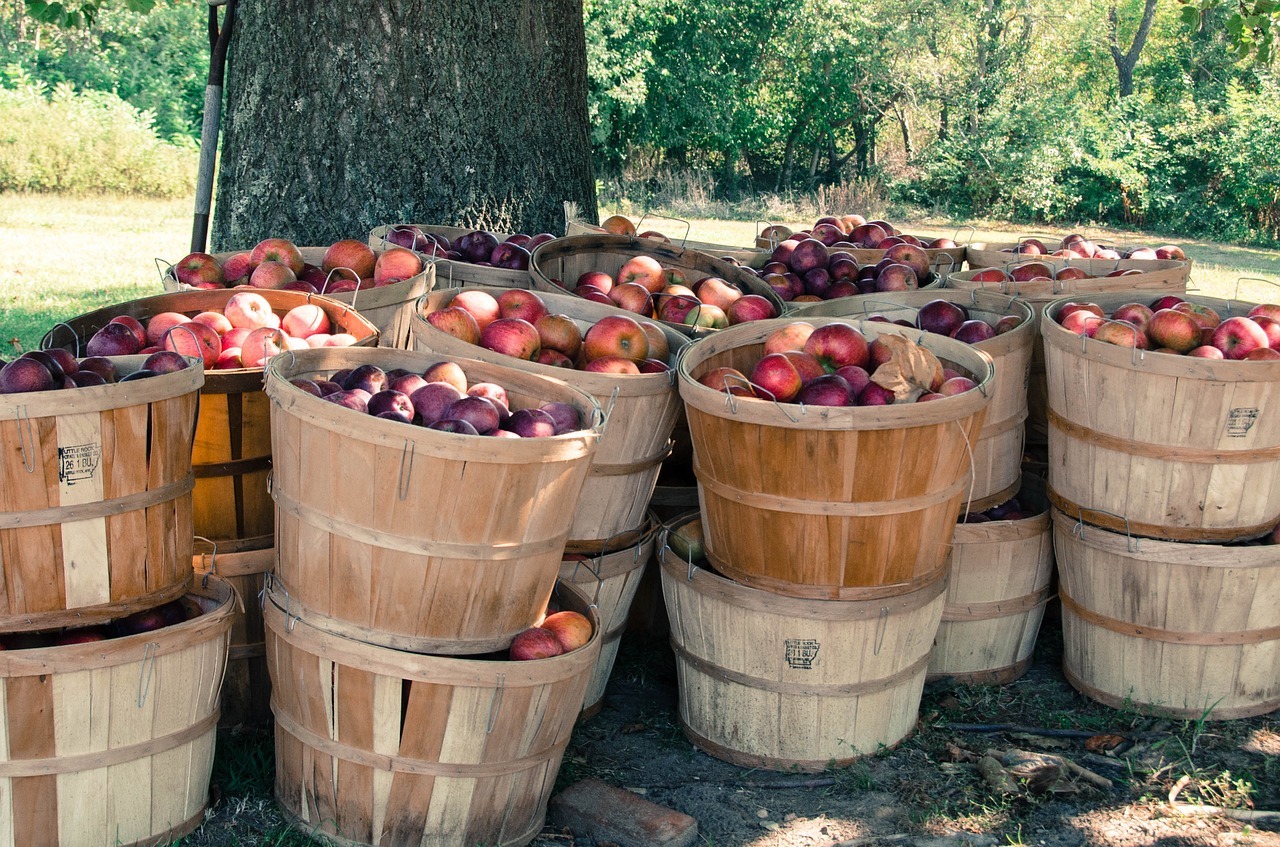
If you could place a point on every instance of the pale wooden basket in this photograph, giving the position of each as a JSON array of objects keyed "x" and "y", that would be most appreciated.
[
  {"x": 1001, "y": 575},
  {"x": 640, "y": 411},
  {"x": 416, "y": 539},
  {"x": 246, "y": 687},
  {"x": 982, "y": 254},
  {"x": 111, "y": 742},
  {"x": 387, "y": 307},
  {"x": 378, "y": 746},
  {"x": 997, "y": 455},
  {"x": 610, "y": 579},
  {"x": 1156, "y": 444},
  {"x": 556, "y": 265},
  {"x": 827, "y": 502},
  {"x": 1166, "y": 277},
  {"x": 95, "y": 498},
  {"x": 456, "y": 274},
  {"x": 231, "y": 456},
  {"x": 1184, "y": 630},
  {"x": 785, "y": 683},
  {"x": 752, "y": 258}
]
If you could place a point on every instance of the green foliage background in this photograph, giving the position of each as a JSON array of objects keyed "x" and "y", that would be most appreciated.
[{"x": 989, "y": 109}]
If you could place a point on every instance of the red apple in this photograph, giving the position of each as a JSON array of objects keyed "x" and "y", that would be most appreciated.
[
  {"x": 395, "y": 264},
  {"x": 1177, "y": 331},
  {"x": 114, "y": 339},
  {"x": 513, "y": 336},
  {"x": 1262, "y": 354},
  {"x": 199, "y": 270},
  {"x": 431, "y": 400},
  {"x": 195, "y": 340},
  {"x": 1237, "y": 337},
  {"x": 1268, "y": 310},
  {"x": 956, "y": 385},
  {"x": 521, "y": 303},
  {"x": 1081, "y": 322},
  {"x": 633, "y": 297},
  {"x": 716, "y": 291},
  {"x": 642, "y": 270},
  {"x": 777, "y": 377},
  {"x": 248, "y": 310},
  {"x": 616, "y": 335},
  {"x": 750, "y": 307},
  {"x": 599, "y": 279},
  {"x": 260, "y": 345},
  {"x": 836, "y": 345},
  {"x": 1168, "y": 301},
  {"x": 305, "y": 320},
  {"x": 1271, "y": 327},
  {"x": 449, "y": 372},
  {"x": 559, "y": 333},
  {"x": 237, "y": 268},
  {"x": 272, "y": 274},
  {"x": 806, "y": 363},
  {"x": 940, "y": 316},
  {"x": 534, "y": 643},
  {"x": 1205, "y": 317},
  {"x": 1135, "y": 313},
  {"x": 482, "y": 305},
  {"x": 974, "y": 332},
  {"x": 349, "y": 253},
  {"x": 790, "y": 337},
  {"x": 571, "y": 629},
  {"x": 612, "y": 365},
  {"x": 1202, "y": 352},
  {"x": 1121, "y": 333},
  {"x": 729, "y": 380},
  {"x": 457, "y": 322}
]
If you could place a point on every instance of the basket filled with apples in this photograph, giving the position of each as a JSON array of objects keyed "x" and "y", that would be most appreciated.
[
  {"x": 487, "y": 733},
  {"x": 866, "y": 241},
  {"x": 466, "y": 256},
  {"x": 763, "y": 705},
  {"x": 1000, "y": 583},
  {"x": 447, "y": 480},
  {"x": 125, "y": 709},
  {"x": 381, "y": 284},
  {"x": 1074, "y": 247},
  {"x": 686, "y": 289},
  {"x": 623, "y": 361},
  {"x": 856, "y": 436},
  {"x": 1211, "y": 612},
  {"x": 234, "y": 331},
  {"x": 95, "y": 511},
  {"x": 806, "y": 271},
  {"x": 1040, "y": 280},
  {"x": 1002, "y": 327},
  {"x": 1162, "y": 414}
]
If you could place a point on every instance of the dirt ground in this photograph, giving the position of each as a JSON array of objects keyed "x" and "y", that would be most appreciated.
[{"x": 929, "y": 791}]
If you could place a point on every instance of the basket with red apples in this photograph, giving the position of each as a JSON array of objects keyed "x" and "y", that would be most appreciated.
[
  {"x": 466, "y": 256},
  {"x": 683, "y": 288},
  {"x": 845, "y": 257},
  {"x": 643, "y": 228},
  {"x": 382, "y": 284},
  {"x": 1073, "y": 246},
  {"x": 232, "y": 331},
  {"x": 1160, "y": 414},
  {"x": 622, "y": 360}
]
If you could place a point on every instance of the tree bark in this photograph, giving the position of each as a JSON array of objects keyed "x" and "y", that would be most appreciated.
[
  {"x": 341, "y": 117},
  {"x": 1127, "y": 60}
]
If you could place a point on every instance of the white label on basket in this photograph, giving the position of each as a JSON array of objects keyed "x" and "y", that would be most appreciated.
[
  {"x": 78, "y": 462},
  {"x": 1240, "y": 421},
  {"x": 801, "y": 652}
]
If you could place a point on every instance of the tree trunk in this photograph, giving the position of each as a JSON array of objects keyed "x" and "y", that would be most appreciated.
[
  {"x": 1127, "y": 60},
  {"x": 343, "y": 117}
]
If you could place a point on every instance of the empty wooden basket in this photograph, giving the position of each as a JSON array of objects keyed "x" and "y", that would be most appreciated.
[
  {"x": 793, "y": 684},
  {"x": 1185, "y": 630}
]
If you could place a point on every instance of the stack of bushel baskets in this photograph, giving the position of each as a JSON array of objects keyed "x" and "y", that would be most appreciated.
[
  {"x": 409, "y": 558},
  {"x": 804, "y": 640},
  {"x": 112, "y": 659},
  {"x": 611, "y": 532},
  {"x": 1164, "y": 471},
  {"x": 232, "y": 515},
  {"x": 1001, "y": 561}
]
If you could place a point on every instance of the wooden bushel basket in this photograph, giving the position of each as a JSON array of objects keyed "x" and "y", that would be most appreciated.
[
  {"x": 1185, "y": 630},
  {"x": 792, "y": 684},
  {"x": 387, "y": 307},
  {"x": 95, "y": 499},
  {"x": 557, "y": 265},
  {"x": 836, "y": 503},
  {"x": 752, "y": 258},
  {"x": 640, "y": 411},
  {"x": 111, "y": 742},
  {"x": 377, "y": 746},
  {"x": 456, "y": 274},
  {"x": 246, "y": 688},
  {"x": 999, "y": 254},
  {"x": 416, "y": 539},
  {"x": 1161, "y": 445},
  {"x": 1001, "y": 573},
  {"x": 997, "y": 455},
  {"x": 232, "y": 452},
  {"x": 610, "y": 579}
]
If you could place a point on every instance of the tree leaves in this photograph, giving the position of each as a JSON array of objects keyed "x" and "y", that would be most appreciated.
[
  {"x": 1250, "y": 25},
  {"x": 70, "y": 16}
]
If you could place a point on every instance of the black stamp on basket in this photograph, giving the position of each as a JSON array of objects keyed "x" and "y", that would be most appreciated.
[
  {"x": 801, "y": 652},
  {"x": 1240, "y": 421},
  {"x": 78, "y": 463}
]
